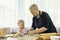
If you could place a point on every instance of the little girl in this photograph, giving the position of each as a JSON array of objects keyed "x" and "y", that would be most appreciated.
[{"x": 22, "y": 30}]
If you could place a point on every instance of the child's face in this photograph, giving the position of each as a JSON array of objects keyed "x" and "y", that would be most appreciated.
[{"x": 21, "y": 25}]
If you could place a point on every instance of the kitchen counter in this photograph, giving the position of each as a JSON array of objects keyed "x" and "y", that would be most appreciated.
[
  {"x": 26, "y": 37},
  {"x": 45, "y": 36}
]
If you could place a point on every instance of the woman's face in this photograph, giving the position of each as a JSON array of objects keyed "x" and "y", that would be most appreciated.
[{"x": 34, "y": 12}]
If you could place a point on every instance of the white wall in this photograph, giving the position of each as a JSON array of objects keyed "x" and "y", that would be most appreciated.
[{"x": 8, "y": 13}]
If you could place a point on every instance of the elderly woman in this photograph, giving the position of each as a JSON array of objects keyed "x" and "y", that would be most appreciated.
[{"x": 42, "y": 22}]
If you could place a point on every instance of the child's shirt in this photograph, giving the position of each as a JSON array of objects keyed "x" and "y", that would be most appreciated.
[{"x": 22, "y": 31}]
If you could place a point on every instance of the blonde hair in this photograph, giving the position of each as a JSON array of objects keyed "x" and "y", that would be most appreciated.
[
  {"x": 20, "y": 21},
  {"x": 33, "y": 7}
]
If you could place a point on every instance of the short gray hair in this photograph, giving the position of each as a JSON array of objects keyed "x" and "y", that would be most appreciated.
[{"x": 33, "y": 7}]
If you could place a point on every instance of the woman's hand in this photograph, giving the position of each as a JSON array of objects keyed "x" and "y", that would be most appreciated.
[{"x": 31, "y": 32}]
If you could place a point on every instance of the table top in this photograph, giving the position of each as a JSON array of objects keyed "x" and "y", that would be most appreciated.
[{"x": 45, "y": 36}]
